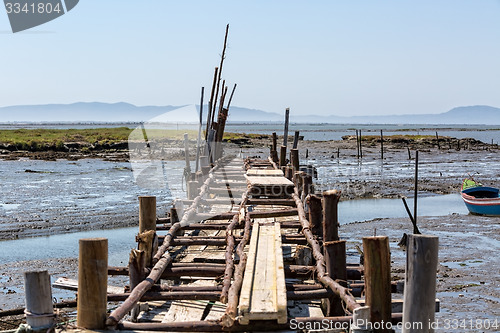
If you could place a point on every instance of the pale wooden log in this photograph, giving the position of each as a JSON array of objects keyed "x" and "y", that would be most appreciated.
[
  {"x": 420, "y": 282},
  {"x": 92, "y": 283},
  {"x": 378, "y": 279},
  {"x": 39, "y": 309},
  {"x": 192, "y": 189},
  {"x": 147, "y": 213},
  {"x": 186, "y": 155}
]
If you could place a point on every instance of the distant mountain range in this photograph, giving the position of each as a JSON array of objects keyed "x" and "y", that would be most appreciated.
[{"x": 125, "y": 112}]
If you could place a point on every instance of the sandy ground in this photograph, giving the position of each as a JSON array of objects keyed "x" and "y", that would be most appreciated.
[{"x": 469, "y": 270}]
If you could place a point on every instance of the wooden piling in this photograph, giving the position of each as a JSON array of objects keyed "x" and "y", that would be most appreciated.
[
  {"x": 198, "y": 143},
  {"x": 147, "y": 213},
  {"x": 381, "y": 145},
  {"x": 296, "y": 140},
  {"x": 275, "y": 142},
  {"x": 334, "y": 249},
  {"x": 307, "y": 185},
  {"x": 39, "y": 309},
  {"x": 420, "y": 283},
  {"x": 285, "y": 132},
  {"x": 283, "y": 156},
  {"x": 192, "y": 189},
  {"x": 315, "y": 215},
  {"x": 294, "y": 159},
  {"x": 437, "y": 140},
  {"x": 357, "y": 144},
  {"x": 360, "y": 149},
  {"x": 415, "y": 195},
  {"x": 186, "y": 156},
  {"x": 92, "y": 283},
  {"x": 330, "y": 215},
  {"x": 378, "y": 279}
]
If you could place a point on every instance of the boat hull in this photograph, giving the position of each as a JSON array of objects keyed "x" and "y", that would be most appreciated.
[{"x": 482, "y": 200}]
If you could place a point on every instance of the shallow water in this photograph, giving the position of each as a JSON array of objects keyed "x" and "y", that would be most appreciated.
[{"x": 120, "y": 241}]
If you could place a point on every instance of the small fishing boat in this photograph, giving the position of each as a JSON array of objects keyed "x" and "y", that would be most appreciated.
[{"x": 480, "y": 199}]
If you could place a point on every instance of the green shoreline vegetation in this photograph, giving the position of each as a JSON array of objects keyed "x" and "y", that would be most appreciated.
[{"x": 43, "y": 139}]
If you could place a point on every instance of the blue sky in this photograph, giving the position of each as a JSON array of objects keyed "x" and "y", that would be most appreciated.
[{"x": 316, "y": 57}]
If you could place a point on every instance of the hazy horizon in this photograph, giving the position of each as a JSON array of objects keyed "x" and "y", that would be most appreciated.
[{"x": 326, "y": 57}]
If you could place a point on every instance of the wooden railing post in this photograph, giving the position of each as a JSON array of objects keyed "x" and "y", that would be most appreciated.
[
  {"x": 283, "y": 156},
  {"x": 92, "y": 283},
  {"x": 378, "y": 281},
  {"x": 315, "y": 215},
  {"x": 39, "y": 309},
  {"x": 147, "y": 227},
  {"x": 420, "y": 283},
  {"x": 334, "y": 249},
  {"x": 294, "y": 159}
]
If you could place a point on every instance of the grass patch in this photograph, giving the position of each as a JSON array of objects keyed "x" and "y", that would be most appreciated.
[{"x": 42, "y": 137}]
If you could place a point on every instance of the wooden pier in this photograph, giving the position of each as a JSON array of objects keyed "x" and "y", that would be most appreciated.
[{"x": 244, "y": 254}]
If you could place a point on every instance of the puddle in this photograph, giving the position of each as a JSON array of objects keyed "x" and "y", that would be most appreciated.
[
  {"x": 120, "y": 242},
  {"x": 369, "y": 209},
  {"x": 10, "y": 206},
  {"x": 461, "y": 264}
]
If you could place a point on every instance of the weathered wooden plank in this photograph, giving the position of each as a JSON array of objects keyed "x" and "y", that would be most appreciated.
[
  {"x": 70, "y": 284},
  {"x": 265, "y": 172},
  {"x": 274, "y": 181},
  {"x": 263, "y": 293}
]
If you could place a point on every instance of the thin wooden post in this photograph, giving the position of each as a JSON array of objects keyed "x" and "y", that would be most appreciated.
[
  {"x": 147, "y": 213},
  {"x": 415, "y": 196},
  {"x": 381, "y": 145},
  {"x": 360, "y": 149},
  {"x": 357, "y": 144},
  {"x": 294, "y": 159},
  {"x": 420, "y": 283},
  {"x": 378, "y": 280},
  {"x": 283, "y": 156},
  {"x": 315, "y": 215},
  {"x": 275, "y": 142},
  {"x": 187, "y": 171},
  {"x": 274, "y": 156},
  {"x": 296, "y": 140},
  {"x": 92, "y": 283},
  {"x": 39, "y": 309},
  {"x": 210, "y": 103},
  {"x": 437, "y": 139},
  {"x": 199, "y": 132},
  {"x": 285, "y": 132},
  {"x": 409, "y": 153},
  {"x": 334, "y": 249}
]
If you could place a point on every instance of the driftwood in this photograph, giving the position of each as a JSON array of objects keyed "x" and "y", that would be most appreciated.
[
  {"x": 229, "y": 316},
  {"x": 230, "y": 243}
]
